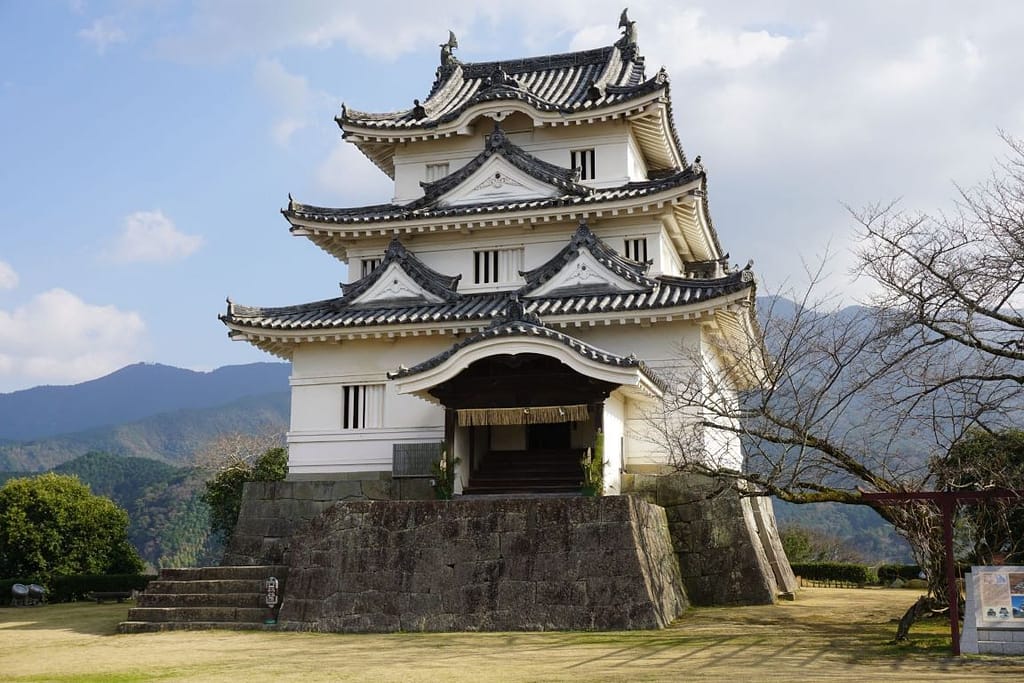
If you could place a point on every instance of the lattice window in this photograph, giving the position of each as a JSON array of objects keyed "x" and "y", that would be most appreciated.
[
  {"x": 493, "y": 266},
  {"x": 369, "y": 264},
  {"x": 583, "y": 159},
  {"x": 362, "y": 406},
  {"x": 636, "y": 249},
  {"x": 436, "y": 171}
]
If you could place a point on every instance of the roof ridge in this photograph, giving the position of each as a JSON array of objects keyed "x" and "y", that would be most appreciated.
[
  {"x": 389, "y": 212},
  {"x": 497, "y": 142},
  {"x": 584, "y": 238},
  {"x": 438, "y": 284}
]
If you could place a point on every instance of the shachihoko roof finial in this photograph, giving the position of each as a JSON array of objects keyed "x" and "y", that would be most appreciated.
[
  {"x": 447, "y": 58},
  {"x": 628, "y": 29}
]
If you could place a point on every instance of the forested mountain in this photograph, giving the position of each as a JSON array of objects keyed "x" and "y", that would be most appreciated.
[
  {"x": 132, "y": 436},
  {"x": 170, "y": 437},
  {"x": 129, "y": 395},
  {"x": 168, "y": 523}
]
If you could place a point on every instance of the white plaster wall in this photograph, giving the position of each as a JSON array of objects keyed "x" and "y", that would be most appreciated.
[
  {"x": 453, "y": 254},
  {"x": 318, "y": 444},
  {"x": 635, "y": 160},
  {"x": 614, "y": 441},
  {"x": 316, "y": 441},
  {"x": 723, "y": 447},
  {"x": 665, "y": 347},
  {"x": 616, "y": 155},
  {"x": 661, "y": 344},
  {"x": 668, "y": 259}
]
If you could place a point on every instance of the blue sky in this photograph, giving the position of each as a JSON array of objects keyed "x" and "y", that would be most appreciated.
[{"x": 149, "y": 146}]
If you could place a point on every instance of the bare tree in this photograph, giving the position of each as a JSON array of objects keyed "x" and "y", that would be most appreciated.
[
  {"x": 956, "y": 281},
  {"x": 841, "y": 401},
  {"x": 236, "y": 449}
]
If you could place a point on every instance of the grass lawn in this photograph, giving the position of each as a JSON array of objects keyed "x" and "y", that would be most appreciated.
[{"x": 827, "y": 634}]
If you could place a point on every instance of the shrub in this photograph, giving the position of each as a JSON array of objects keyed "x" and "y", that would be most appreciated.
[
  {"x": 76, "y": 587},
  {"x": 887, "y": 573},
  {"x": 224, "y": 491},
  {"x": 53, "y": 525},
  {"x": 836, "y": 573}
]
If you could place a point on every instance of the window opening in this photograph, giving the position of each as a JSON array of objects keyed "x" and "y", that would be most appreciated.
[{"x": 583, "y": 159}]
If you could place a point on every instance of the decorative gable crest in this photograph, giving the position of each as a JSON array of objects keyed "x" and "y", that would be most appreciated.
[
  {"x": 501, "y": 172},
  {"x": 400, "y": 278},
  {"x": 586, "y": 264}
]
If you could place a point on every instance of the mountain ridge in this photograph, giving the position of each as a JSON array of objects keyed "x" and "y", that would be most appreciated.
[{"x": 127, "y": 395}]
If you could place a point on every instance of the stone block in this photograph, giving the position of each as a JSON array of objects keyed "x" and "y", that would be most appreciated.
[
  {"x": 555, "y": 592},
  {"x": 516, "y": 596},
  {"x": 587, "y": 534},
  {"x": 459, "y": 562}
]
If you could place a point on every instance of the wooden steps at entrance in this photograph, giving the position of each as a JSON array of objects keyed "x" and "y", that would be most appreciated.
[
  {"x": 206, "y": 598},
  {"x": 532, "y": 471}
]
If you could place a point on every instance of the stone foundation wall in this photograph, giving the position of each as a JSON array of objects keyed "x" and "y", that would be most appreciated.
[
  {"x": 272, "y": 511},
  {"x": 512, "y": 564},
  {"x": 727, "y": 545}
]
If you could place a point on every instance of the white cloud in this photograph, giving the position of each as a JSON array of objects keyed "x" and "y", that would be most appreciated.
[
  {"x": 152, "y": 236},
  {"x": 351, "y": 177},
  {"x": 8, "y": 278},
  {"x": 103, "y": 33},
  {"x": 227, "y": 29},
  {"x": 57, "y": 338},
  {"x": 691, "y": 41},
  {"x": 296, "y": 103}
]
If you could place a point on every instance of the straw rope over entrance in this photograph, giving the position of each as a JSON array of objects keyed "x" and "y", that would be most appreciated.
[{"x": 476, "y": 417}]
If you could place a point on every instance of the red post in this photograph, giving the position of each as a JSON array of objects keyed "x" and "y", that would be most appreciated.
[
  {"x": 948, "y": 500},
  {"x": 952, "y": 593}
]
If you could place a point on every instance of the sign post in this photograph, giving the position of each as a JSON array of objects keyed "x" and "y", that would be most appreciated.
[{"x": 947, "y": 502}]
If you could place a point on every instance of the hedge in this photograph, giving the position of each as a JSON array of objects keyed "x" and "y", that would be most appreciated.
[
  {"x": 887, "y": 573},
  {"x": 835, "y": 573},
  {"x": 75, "y": 587}
]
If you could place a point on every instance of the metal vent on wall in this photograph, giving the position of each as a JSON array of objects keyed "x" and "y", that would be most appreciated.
[{"x": 414, "y": 459}]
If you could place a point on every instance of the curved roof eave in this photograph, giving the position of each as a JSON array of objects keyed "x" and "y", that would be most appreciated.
[
  {"x": 378, "y": 144},
  {"x": 420, "y": 383}
]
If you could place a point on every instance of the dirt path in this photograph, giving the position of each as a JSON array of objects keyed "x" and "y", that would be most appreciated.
[{"x": 828, "y": 634}]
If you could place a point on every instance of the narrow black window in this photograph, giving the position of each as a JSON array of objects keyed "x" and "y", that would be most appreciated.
[
  {"x": 583, "y": 159},
  {"x": 485, "y": 266},
  {"x": 636, "y": 249},
  {"x": 362, "y": 406},
  {"x": 369, "y": 264}
]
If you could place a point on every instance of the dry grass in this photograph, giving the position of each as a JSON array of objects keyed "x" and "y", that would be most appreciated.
[{"x": 827, "y": 634}]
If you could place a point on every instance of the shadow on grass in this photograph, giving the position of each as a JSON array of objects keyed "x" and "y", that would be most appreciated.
[{"x": 79, "y": 617}]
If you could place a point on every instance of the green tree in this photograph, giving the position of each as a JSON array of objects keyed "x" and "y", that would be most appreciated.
[
  {"x": 986, "y": 460},
  {"x": 53, "y": 525},
  {"x": 224, "y": 491}
]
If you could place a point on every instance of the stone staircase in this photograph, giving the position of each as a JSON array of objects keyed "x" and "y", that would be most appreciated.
[
  {"x": 206, "y": 598},
  {"x": 534, "y": 471}
]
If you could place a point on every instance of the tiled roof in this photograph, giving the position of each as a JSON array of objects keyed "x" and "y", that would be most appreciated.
[
  {"x": 385, "y": 213},
  {"x": 333, "y": 314},
  {"x": 439, "y": 285},
  {"x": 565, "y": 179},
  {"x": 584, "y": 238},
  {"x": 514, "y": 321},
  {"x": 570, "y": 82}
]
